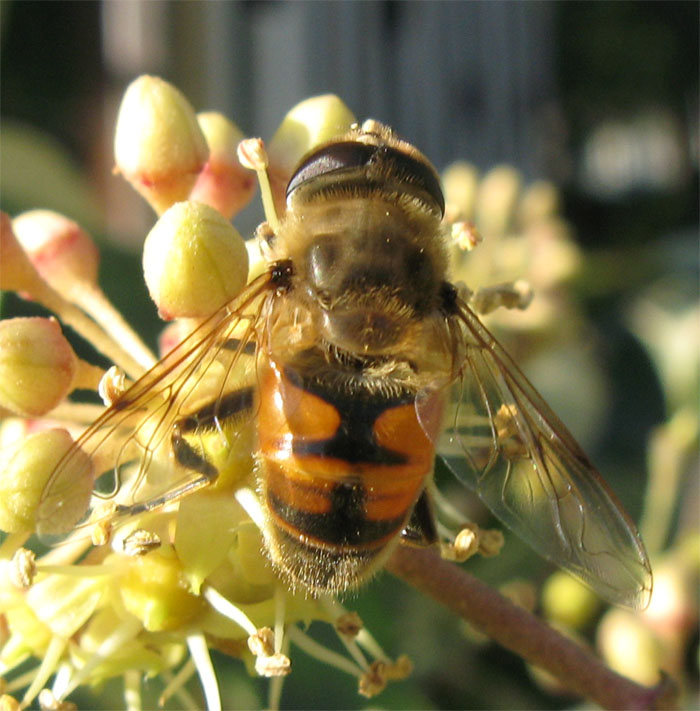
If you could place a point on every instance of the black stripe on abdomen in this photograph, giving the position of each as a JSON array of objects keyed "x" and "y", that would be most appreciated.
[{"x": 344, "y": 524}]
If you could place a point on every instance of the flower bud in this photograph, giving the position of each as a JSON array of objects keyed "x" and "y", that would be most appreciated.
[
  {"x": 62, "y": 252},
  {"x": 630, "y": 647},
  {"x": 460, "y": 181},
  {"x": 496, "y": 200},
  {"x": 540, "y": 201},
  {"x": 194, "y": 261},
  {"x": 37, "y": 366},
  {"x": 158, "y": 146},
  {"x": 17, "y": 272},
  {"x": 308, "y": 124},
  {"x": 568, "y": 602},
  {"x": 223, "y": 183},
  {"x": 24, "y": 471}
]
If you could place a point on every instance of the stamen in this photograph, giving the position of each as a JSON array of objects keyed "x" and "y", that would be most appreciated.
[
  {"x": 228, "y": 609},
  {"x": 80, "y": 413},
  {"x": 465, "y": 235},
  {"x": 112, "y": 386},
  {"x": 323, "y": 654},
  {"x": 19, "y": 682},
  {"x": 93, "y": 300},
  {"x": 274, "y": 690},
  {"x": 12, "y": 542},
  {"x": 349, "y": 641},
  {"x": 280, "y": 606},
  {"x": 247, "y": 498},
  {"x": 49, "y": 702},
  {"x": 126, "y": 632},
  {"x": 252, "y": 155},
  {"x": 61, "y": 681},
  {"x": 22, "y": 568},
  {"x": 48, "y": 666},
  {"x": 177, "y": 683},
  {"x": 207, "y": 676},
  {"x": 370, "y": 645},
  {"x": 445, "y": 507},
  {"x": 132, "y": 690}
]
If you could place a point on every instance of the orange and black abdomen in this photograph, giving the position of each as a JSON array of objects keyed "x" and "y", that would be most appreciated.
[{"x": 343, "y": 463}]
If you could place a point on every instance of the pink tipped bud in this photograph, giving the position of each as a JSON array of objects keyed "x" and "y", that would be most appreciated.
[
  {"x": 223, "y": 183},
  {"x": 37, "y": 366},
  {"x": 158, "y": 146},
  {"x": 308, "y": 124},
  {"x": 17, "y": 273},
  {"x": 194, "y": 261},
  {"x": 62, "y": 252}
]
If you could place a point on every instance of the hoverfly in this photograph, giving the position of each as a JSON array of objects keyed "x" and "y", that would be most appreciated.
[{"x": 344, "y": 369}]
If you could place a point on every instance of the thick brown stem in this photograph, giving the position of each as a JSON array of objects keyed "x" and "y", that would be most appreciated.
[{"x": 526, "y": 635}]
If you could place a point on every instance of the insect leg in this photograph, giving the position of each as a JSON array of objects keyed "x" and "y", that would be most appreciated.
[
  {"x": 421, "y": 530},
  {"x": 211, "y": 419}
]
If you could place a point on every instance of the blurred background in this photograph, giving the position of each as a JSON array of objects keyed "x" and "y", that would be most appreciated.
[{"x": 601, "y": 99}]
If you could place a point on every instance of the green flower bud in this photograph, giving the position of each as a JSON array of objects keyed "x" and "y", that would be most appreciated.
[
  {"x": 194, "y": 261},
  {"x": 568, "y": 602},
  {"x": 24, "y": 471},
  {"x": 37, "y": 366},
  {"x": 158, "y": 145}
]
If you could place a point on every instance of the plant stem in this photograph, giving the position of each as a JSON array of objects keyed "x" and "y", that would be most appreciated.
[{"x": 523, "y": 633}]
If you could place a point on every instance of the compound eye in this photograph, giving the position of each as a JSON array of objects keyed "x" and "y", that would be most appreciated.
[
  {"x": 354, "y": 162},
  {"x": 332, "y": 158}
]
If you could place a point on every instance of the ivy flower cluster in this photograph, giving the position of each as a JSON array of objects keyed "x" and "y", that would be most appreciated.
[
  {"x": 150, "y": 596},
  {"x": 153, "y": 596}
]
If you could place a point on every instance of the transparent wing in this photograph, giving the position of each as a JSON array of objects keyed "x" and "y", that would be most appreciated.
[
  {"x": 503, "y": 441},
  {"x": 181, "y": 425}
]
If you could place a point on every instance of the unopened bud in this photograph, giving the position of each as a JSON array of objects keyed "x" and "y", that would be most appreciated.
[
  {"x": 496, "y": 200},
  {"x": 194, "y": 261},
  {"x": 568, "y": 602},
  {"x": 629, "y": 646},
  {"x": 158, "y": 146},
  {"x": 17, "y": 272},
  {"x": 540, "y": 201},
  {"x": 62, "y": 252},
  {"x": 37, "y": 366},
  {"x": 224, "y": 183},
  {"x": 308, "y": 124},
  {"x": 24, "y": 471},
  {"x": 460, "y": 182}
]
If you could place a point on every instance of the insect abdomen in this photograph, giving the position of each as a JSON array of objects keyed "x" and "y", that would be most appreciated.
[{"x": 343, "y": 468}]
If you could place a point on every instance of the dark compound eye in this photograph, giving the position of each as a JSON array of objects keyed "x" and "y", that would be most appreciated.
[
  {"x": 352, "y": 157},
  {"x": 331, "y": 159}
]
